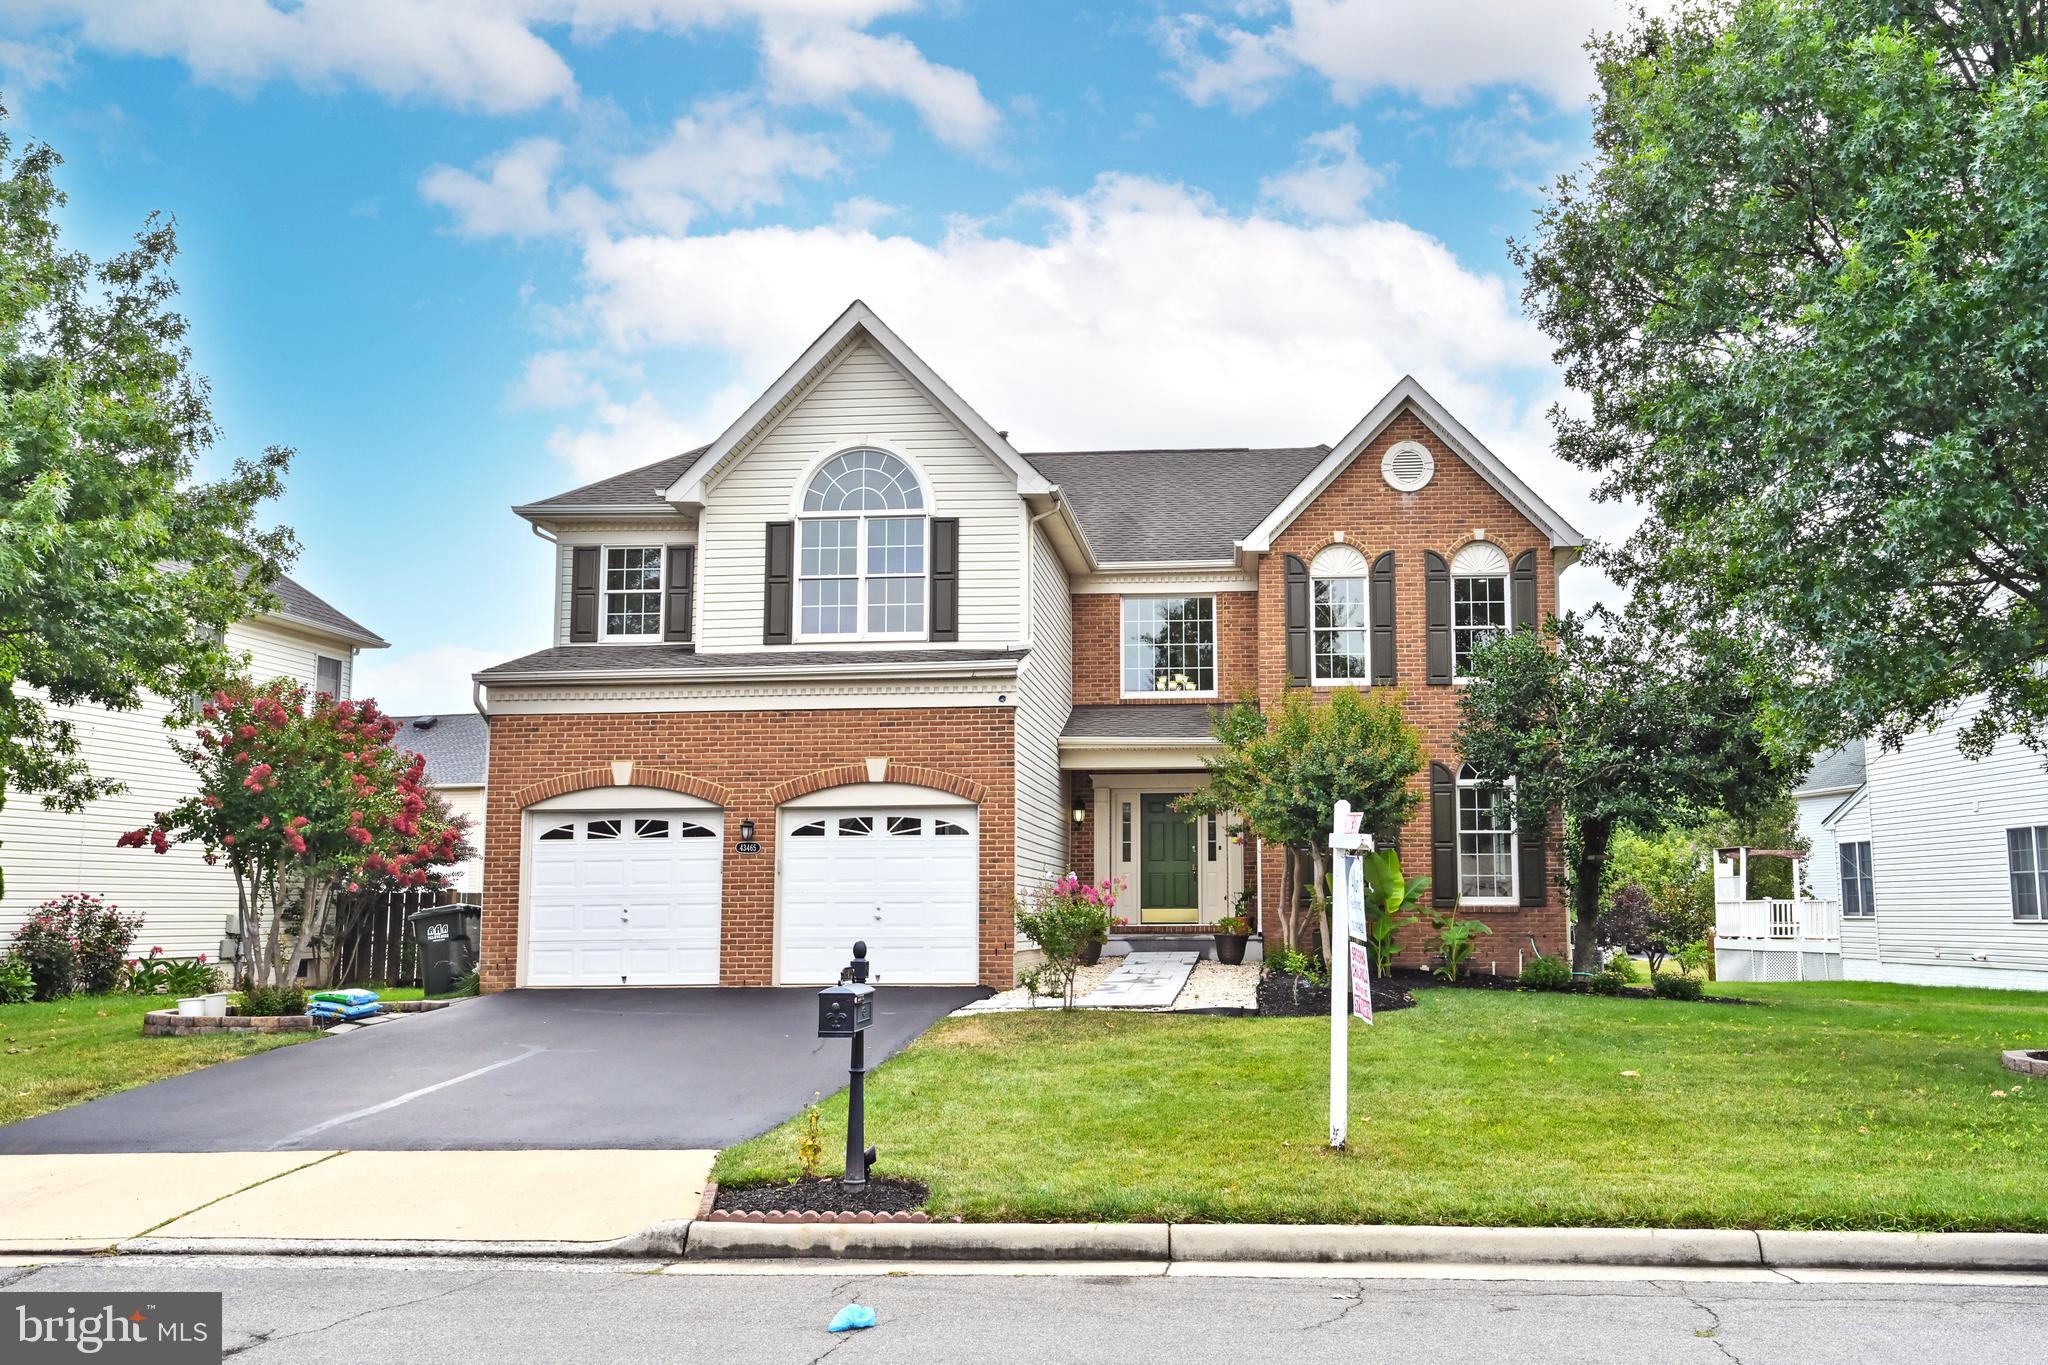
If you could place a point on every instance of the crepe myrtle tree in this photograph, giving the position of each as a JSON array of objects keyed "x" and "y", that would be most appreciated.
[
  {"x": 1283, "y": 770},
  {"x": 303, "y": 798},
  {"x": 1801, "y": 287},
  {"x": 1619, "y": 725}
]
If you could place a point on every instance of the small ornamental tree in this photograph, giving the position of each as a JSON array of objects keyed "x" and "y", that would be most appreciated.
[
  {"x": 304, "y": 799},
  {"x": 1283, "y": 771}
]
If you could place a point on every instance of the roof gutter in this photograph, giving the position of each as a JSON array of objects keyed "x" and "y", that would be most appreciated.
[
  {"x": 360, "y": 639},
  {"x": 1136, "y": 742},
  {"x": 983, "y": 668}
]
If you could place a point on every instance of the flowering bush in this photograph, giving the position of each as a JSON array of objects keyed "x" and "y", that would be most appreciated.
[
  {"x": 1062, "y": 920},
  {"x": 17, "y": 982},
  {"x": 75, "y": 943},
  {"x": 160, "y": 975}
]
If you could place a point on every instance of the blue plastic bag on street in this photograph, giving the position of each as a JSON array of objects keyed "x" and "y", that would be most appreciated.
[{"x": 851, "y": 1318}]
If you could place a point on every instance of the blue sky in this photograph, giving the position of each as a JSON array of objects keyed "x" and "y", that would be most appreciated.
[{"x": 462, "y": 256}]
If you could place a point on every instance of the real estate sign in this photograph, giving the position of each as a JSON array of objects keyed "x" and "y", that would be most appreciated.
[{"x": 1347, "y": 890}]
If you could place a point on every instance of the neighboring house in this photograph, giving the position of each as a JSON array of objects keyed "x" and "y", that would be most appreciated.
[
  {"x": 1939, "y": 863},
  {"x": 458, "y": 753},
  {"x": 187, "y": 907},
  {"x": 859, "y": 669}
]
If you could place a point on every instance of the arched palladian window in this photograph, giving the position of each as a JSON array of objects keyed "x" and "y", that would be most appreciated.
[
  {"x": 1486, "y": 842},
  {"x": 1340, "y": 617},
  {"x": 1479, "y": 601},
  {"x": 861, "y": 549}
]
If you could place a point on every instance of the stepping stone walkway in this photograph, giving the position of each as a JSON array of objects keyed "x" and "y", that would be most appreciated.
[{"x": 1145, "y": 981}]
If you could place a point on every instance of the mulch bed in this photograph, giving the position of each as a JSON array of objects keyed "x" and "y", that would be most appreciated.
[
  {"x": 1290, "y": 997},
  {"x": 884, "y": 1199}
]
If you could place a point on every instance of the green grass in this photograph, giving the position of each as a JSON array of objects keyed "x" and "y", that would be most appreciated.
[
  {"x": 68, "y": 1051},
  {"x": 1830, "y": 1105}
]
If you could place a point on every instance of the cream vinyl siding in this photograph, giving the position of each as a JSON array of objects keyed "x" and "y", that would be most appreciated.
[
  {"x": 1859, "y": 932},
  {"x": 1823, "y": 872},
  {"x": 1045, "y": 697},
  {"x": 468, "y": 802},
  {"x": 1938, "y": 856},
  {"x": 862, "y": 399},
  {"x": 186, "y": 904},
  {"x": 679, "y": 529}
]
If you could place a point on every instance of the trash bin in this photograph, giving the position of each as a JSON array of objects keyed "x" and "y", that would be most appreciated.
[{"x": 449, "y": 938}]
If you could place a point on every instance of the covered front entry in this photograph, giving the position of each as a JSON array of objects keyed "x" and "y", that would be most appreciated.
[
  {"x": 1168, "y": 887},
  {"x": 1176, "y": 868},
  {"x": 624, "y": 897},
  {"x": 900, "y": 871}
]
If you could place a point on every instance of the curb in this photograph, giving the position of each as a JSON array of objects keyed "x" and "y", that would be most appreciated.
[
  {"x": 929, "y": 1241},
  {"x": 658, "y": 1241},
  {"x": 1521, "y": 1246}
]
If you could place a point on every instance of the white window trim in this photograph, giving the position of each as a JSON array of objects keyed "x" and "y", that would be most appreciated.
[
  {"x": 1514, "y": 896},
  {"x": 1867, "y": 881},
  {"x": 1507, "y": 608},
  {"x": 1316, "y": 678},
  {"x": 2040, "y": 874},
  {"x": 604, "y": 560},
  {"x": 1123, "y": 608},
  {"x": 892, "y": 448}
]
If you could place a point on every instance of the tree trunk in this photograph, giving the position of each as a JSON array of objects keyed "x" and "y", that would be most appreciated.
[
  {"x": 1594, "y": 836},
  {"x": 1286, "y": 906}
]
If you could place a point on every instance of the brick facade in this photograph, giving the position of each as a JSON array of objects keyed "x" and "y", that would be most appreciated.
[
  {"x": 1098, "y": 649},
  {"x": 749, "y": 763}
]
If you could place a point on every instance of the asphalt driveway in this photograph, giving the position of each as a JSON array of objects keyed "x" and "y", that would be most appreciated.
[{"x": 543, "y": 1069}]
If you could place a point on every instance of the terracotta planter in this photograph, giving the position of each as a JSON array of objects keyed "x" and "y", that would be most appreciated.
[
  {"x": 1230, "y": 948},
  {"x": 1091, "y": 952}
]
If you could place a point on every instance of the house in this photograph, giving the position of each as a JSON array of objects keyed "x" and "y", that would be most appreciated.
[
  {"x": 187, "y": 907},
  {"x": 457, "y": 749},
  {"x": 1938, "y": 862},
  {"x": 861, "y": 670}
]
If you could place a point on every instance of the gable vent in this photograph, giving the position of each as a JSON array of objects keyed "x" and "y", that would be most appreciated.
[{"x": 1408, "y": 465}]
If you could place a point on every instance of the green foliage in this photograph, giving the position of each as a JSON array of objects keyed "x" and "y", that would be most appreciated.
[
  {"x": 1608, "y": 981},
  {"x": 120, "y": 571},
  {"x": 1233, "y": 924},
  {"x": 1387, "y": 892},
  {"x": 1694, "y": 958},
  {"x": 468, "y": 986},
  {"x": 1618, "y": 723},
  {"x": 75, "y": 944},
  {"x": 1293, "y": 962},
  {"x": 17, "y": 980},
  {"x": 160, "y": 975},
  {"x": 1454, "y": 941},
  {"x": 810, "y": 1142},
  {"x": 1545, "y": 973},
  {"x": 264, "y": 1001},
  {"x": 1282, "y": 771},
  {"x": 1801, "y": 289},
  {"x": 1672, "y": 986},
  {"x": 1061, "y": 920}
]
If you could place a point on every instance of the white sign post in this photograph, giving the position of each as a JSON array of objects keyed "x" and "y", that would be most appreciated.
[{"x": 1347, "y": 921}]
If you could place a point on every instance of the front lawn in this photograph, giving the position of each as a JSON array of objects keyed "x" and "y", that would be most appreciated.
[
  {"x": 1831, "y": 1105},
  {"x": 68, "y": 1051}
]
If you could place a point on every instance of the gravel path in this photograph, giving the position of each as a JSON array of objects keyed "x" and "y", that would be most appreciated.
[{"x": 1210, "y": 986}]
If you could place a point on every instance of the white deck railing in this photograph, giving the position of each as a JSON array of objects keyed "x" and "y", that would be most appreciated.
[{"x": 1779, "y": 921}]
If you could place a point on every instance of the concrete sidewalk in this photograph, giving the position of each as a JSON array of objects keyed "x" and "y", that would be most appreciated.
[{"x": 96, "y": 1201}]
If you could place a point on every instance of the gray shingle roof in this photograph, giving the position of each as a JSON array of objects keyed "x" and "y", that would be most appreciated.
[
  {"x": 642, "y": 487},
  {"x": 1145, "y": 720},
  {"x": 1166, "y": 506},
  {"x": 1836, "y": 770},
  {"x": 649, "y": 658},
  {"x": 457, "y": 746},
  {"x": 295, "y": 602}
]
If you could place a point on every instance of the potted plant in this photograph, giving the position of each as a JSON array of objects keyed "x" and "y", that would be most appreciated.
[{"x": 1232, "y": 933}]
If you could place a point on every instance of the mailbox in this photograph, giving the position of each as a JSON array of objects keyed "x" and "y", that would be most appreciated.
[{"x": 845, "y": 1010}]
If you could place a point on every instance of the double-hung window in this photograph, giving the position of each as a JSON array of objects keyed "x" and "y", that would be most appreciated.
[
  {"x": 327, "y": 675},
  {"x": 1479, "y": 601},
  {"x": 1169, "y": 645},
  {"x": 1340, "y": 617},
  {"x": 1856, "y": 899},
  {"x": 862, "y": 537},
  {"x": 2026, "y": 855},
  {"x": 632, "y": 592},
  {"x": 1486, "y": 842}
]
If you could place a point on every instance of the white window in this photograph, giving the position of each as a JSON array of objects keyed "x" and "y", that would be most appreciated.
[
  {"x": 861, "y": 544},
  {"x": 1856, "y": 898},
  {"x": 1169, "y": 645},
  {"x": 1479, "y": 601},
  {"x": 632, "y": 592},
  {"x": 1340, "y": 618},
  {"x": 327, "y": 675},
  {"x": 2026, "y": 851},
  {"x": 1486, "y": 842}
]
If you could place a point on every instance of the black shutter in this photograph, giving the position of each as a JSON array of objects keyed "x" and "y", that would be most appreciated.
[
  {"x": 583, "y": 569},
  {"x": 1383, "y": 620},
  {"x": 778, "y": 589},
  {"x": 1522, "y": 591},
  {"x": 945, "y": 578},
  {"x": 682, "y": 578},
  {"x": 1533, "y": 865},
  {"x": 1436, "y": 596},
  {"x": 1443, "y": 836},
  {"x": 1297, "y": 622}
]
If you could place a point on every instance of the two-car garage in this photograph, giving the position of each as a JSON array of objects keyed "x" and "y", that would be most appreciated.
[{"x": 633, "y": 895}]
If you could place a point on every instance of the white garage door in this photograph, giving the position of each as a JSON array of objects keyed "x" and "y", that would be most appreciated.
[
  {"x": 624, "y": 898},
  {"x": 904, "y": 880}
]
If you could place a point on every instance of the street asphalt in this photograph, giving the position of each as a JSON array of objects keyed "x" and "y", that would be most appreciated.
[
  {"x": 293, "y": 1309},
  {"x": 557, "y": 1069}
]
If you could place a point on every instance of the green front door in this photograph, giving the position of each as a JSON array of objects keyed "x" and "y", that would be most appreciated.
[{"x": 1166, "y": 860}]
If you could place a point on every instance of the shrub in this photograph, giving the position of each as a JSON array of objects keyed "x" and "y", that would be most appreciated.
[
  {"x": 1672, "y": 986},
  {"x": 76, "y": 943},
  {"x": 194, "y": 977},
  {"x": 17, "y": 981},
  {"x": 1454, "y": 942},
  {"x": 1061, "y": 921},
  {"x": 160, "y": 975},
  {"x": 263, "y": 1001},
  {"x": 1545, "y": 973},
  {"x": 1295, "y": 963},
  {"x": 1608, "y": 981}
]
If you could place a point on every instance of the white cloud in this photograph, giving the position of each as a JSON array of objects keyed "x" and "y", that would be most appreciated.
[
  {"x": 1503, "y": 141},
  {"x": 722, "y": 156},
  {"x": 435, "y": 679},
  {"x": 639, "y": 430},
  {"x": 826, "y": 65},
  {"x": 515, "y": 196},
  {"x": 1330, "y": 184},
  {"x": 862, "y": 214},
  {"x": 1436, "y": 52}
]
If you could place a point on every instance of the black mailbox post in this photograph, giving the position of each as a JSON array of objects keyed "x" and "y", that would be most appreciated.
[{"x": 845, "y": 1011}]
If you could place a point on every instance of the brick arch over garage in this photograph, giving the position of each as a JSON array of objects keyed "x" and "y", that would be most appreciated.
[
  {"x": 849, "y": 774},
  {"x": 585, "y": 779}
]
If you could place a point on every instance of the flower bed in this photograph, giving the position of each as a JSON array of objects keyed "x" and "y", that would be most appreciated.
[{"x": 171, "y": 1024}]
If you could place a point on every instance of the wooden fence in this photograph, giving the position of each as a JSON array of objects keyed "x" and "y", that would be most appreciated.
[{"x": 372, "y": 941}]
